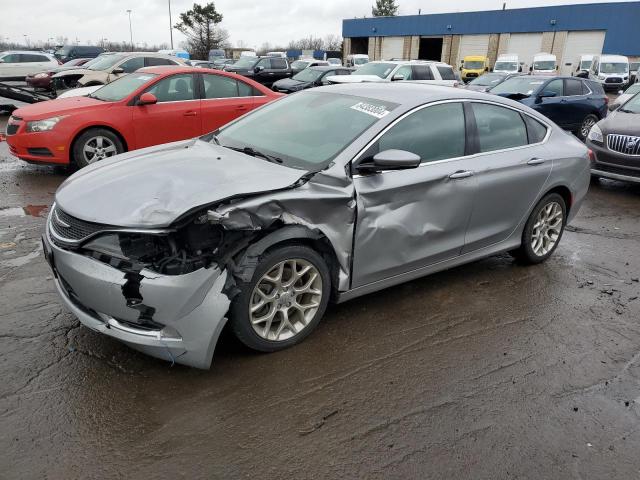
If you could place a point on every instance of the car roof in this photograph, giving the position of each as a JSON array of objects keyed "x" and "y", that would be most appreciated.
[
  {"x": 39, "y": 52},
  {"x": 609, "y": 58},
  {"x": 326, "y": 68}
]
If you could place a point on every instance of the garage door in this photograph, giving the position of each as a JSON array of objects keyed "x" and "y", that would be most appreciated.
[
  {"x": 473, "y": 45},
  {"x": 525, "y": 45},
  {"x": 392, "y": 47},
  {"x": 580, "y": 43}
]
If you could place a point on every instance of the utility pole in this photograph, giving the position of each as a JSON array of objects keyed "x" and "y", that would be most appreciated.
[
  {"x": 170, "y": 26},
  {"x": 130, "y": 30}
]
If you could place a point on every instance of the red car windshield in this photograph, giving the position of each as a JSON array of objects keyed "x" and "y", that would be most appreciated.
[{"x": 122, "y": 87}]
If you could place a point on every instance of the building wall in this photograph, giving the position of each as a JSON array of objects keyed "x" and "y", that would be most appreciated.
[
  {"x": 503, "y": 43},
  {"x": 492, "y": 53}
]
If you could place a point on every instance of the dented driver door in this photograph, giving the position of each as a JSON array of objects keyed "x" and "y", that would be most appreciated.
[{"x": 408, "y": 219}]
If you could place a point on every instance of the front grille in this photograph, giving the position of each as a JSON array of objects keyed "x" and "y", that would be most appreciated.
[
  {"x": 613, "y": 80},
  {"x": 625, "y": 144},
  {"x": 71, "y": 230}
]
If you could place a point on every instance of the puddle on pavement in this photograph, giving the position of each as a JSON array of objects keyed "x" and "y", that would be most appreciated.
[{"x": 30, "y": 210}]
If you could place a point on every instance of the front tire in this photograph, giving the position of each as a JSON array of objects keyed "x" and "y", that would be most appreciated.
[
  {"x": 284, "y": 301},
  {"x": 588, "y": 122},
  {"x": 543, "y": 230},
  {"x": 94, "y": 145}
]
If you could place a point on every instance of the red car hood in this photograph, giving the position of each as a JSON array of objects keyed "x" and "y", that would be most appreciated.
[{"x": 63, "y": 106}]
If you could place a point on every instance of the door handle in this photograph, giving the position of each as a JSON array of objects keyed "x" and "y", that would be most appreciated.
[
  {"x": 190, "y": 114},
  {"x": 461, "y": 174},
  {"x": 536, "y": 161}
]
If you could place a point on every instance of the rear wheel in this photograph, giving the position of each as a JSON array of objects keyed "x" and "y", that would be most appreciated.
[
  {"x": 543, "y": 230},
  {"x": 94, "y": 145},
  {"x": 588, "y": 122},
  {"x": 284, "y": 301}
]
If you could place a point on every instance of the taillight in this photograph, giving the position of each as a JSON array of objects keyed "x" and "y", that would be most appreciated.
[
  {"x": 592, "y": 156},
  {"x": 606, "y": 100}
]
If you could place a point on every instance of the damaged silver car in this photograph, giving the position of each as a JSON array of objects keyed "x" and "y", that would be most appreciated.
[{"x": 325, "y": 195}]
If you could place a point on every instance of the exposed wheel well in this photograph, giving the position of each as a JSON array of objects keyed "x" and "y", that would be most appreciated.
[
  {"x": 112, "y": 130},
  {"x": 565, "y": 193},
  {"x": 92, "y": 84}
]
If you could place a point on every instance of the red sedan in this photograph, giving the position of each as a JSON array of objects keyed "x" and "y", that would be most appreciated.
[{"x": 150, "y": 106}]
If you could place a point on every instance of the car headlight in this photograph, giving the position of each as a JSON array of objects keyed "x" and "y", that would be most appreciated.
[
  {"x": 595, "y": 134},
  {"x": 41, "y": 75},
  {"x": 43, "y": 125},
  {"x": 602, "y": 77}
]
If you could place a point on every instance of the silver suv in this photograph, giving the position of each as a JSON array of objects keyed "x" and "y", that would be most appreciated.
[{"x": 420, "y": 71}]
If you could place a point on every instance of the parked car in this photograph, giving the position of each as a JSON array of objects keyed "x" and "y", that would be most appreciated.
[
  {"x": 183, "y": 54},
  {"x": 356, "y": 60},
  {"x": 220, "y": 63},
  {"x": 633, "y": 71},
  {"x": 507, "y": 64},
  {"x": 216, "y": 54},
  {"x": 71, "y": 52},
  {"x": 42, "y": 80},
  {"x": 110, "y": 67},
  {"x": 200, "y": 63},
  {"x": 473, "y": 66},
  {"x": 625, "y": 95},
  {"x": 264, "y": 70},
  {"x": 615, "y": 142},
  {"x": 335, "y": 61},
  {"x": 308, "y": 78},
  {"x": 436, "y": 73},
  {"x": 18, "y": 64},
  {"x": 544, "y": 64},
  {"x": 573, "y": 103},
  {"x": 486, "y": 82},
  {"x": 277, "y": 54},
  {"x": 263, "y": 221},
  {"x": 299, "y": 65},
  {"x": 582, "y": 65},
  {"x": 152, "y": 106},
  {"x": 611, "y": 71}
]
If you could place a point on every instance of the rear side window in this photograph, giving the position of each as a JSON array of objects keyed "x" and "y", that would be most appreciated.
[
  {"x": 176, "y": 88},
  {"x": 29, "y": 57},
  {"x": 218, "y": 86},
  {"x": 433, "y": 133},
  {"x": 446, "y": 72},
  {"x": 536, "y": 131},
  {"x": 595, "y": 88},
  {"x": 572, "y": 87},
  {"x": 12, "y": 58},
  {"x": 245, "y": 90},
  {"x": 422, "y": 72},
  {"x": 278, "y": 63},
  {"x": 132, "y": 64},
  {"x": 499, "y": 127},
  {"x": 155, "y": 61}
]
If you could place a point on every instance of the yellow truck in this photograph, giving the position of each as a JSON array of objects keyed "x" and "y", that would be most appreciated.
[{"x": 473, "y": 66}]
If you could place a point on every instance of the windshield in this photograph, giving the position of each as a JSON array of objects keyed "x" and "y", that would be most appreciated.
[
  {"x": 633, "y": 66},
  {"x": 585, "y": 64},
  {"x": 475, "y": 65},
  {"x": 308, "y": 75},
  {"x": 246, "y": 62},
  {"x": 610, "y": 67},
  {"x": 633, "y": 89},
  {"x": 105, "y": 62},
  {"x": 632, "y": 106},
  {"x": 360, "y": 61},
  {"x": 487, "y": 79},
  {"x": 122, "y": 87},
  {"x": 506, "y": 66},
  {"x": 62, "y": 51},
  {"x": 544, "y": 65},
  {"x": 518, "y": 85},
  {"x": 306, "y": 130},
  {"x": 299, "y": 65},
  {"x": 378, "y": 69}
]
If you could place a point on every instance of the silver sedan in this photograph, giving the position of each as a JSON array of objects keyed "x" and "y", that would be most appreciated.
[{"x": 325, "y": 195}]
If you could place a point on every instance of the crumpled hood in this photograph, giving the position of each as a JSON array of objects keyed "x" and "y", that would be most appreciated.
[
  {"x": 73, "y": 71},
  {"x": 354, "y": 78},
  {"x": 153, "y": 187},
  {"x": 289, "y": 83}
]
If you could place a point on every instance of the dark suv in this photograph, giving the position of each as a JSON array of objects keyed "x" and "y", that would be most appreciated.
[
  {"x": 264, "y": 70},
  {"x": 575, "y": 104},
  {"x": 70, "y": 52}
]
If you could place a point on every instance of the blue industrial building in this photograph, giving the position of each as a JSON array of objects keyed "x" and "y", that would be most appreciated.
[{"x": 566, "y": 30}]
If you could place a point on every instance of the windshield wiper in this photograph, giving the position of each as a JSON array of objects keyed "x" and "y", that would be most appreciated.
[
  {"x": 255, "y": 153},
  {"x": 624, "y": 110}
]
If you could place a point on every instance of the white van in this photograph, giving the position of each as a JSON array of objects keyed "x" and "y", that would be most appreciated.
[
  {"x": 277, "y": 54},
  {"x": 507, "y": 64},
  {"x": 544, "y": 64},
  {"x": 357, "y": 60},
  {"x": 248, "y": 53},
  {"x": 612, "y": 71},
  {"x": 583, "y": 64}
]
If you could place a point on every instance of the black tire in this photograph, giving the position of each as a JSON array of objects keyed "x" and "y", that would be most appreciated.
[
  {"x": 525, "y": 253},
  {"x": 588, "y": 122},
  {"x": 240, "y": 319},
  {"x": 78, "y": 155}
]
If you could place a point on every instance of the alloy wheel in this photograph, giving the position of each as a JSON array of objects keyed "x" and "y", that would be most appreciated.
[
  {"x": 586, "y": 126},
  {"x": 547, "y": 229},
  {"x": 285, "y": 299},
  {"x": 98, "y": 148}
]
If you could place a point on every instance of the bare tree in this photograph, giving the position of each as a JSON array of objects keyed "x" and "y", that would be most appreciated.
[{"x": 332, "y": 42}]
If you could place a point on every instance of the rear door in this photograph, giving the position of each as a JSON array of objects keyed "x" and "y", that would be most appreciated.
[
  {"x": 575, "y": 100},
  {"x": 279, "y": 68},
  {"x": 408, "y": 219},
  {"x": 176, "y": 116},
  {"x": 33, "y": 63},
  {"x": 511, "y": 167},
  {"x": 223, "y": 99}
]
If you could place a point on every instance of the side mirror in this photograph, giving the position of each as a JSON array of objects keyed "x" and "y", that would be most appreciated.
[
  {"x": 258, "y": 69},
  {"x": 531, "y": 69},
  {"x": 486, "y": 69},
  {"x": 613, "y": 106},
  {"x": 147, "y": 99},
  {"x": 117, "y": 70},
  {"x": 391, "y": 160},
  {"x": 557, "y": 67},
  {"x": 546, "y": 94},
  {"x": 620, "y": 92},
  {"x": 397, "y": 78},
  {"x": 1, "y": 60},
  {"x": 520, "y": 69}
]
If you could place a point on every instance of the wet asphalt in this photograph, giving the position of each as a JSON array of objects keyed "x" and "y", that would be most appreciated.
[{"x": 487, "y": 371}]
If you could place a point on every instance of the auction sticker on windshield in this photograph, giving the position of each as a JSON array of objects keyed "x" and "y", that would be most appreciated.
[{"x": 378, "y": 111}]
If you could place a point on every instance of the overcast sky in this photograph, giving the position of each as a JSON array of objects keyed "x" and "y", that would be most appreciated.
[{"x": 251, "y": 21}]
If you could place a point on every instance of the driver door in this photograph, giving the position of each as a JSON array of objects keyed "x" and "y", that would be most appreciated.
[
  {"x": 408, "y": 219},
  {"x": 554, "y": 108}
]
